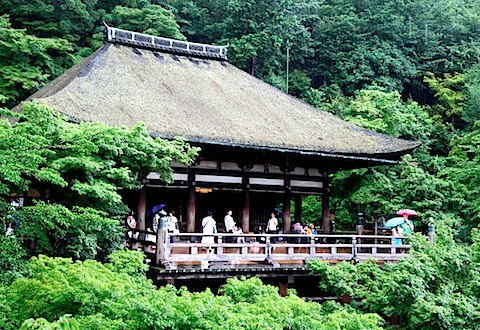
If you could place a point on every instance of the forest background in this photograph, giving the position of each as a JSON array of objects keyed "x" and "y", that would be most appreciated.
[{"x": 409, "y": 69}]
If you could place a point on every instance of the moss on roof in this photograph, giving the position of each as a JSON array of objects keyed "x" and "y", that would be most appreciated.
[{"x": 205, "y": 101}]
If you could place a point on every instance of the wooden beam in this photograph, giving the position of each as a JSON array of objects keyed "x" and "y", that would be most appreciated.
[{"x": 191, "y": 201}]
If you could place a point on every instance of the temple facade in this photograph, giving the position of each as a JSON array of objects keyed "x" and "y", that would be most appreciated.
[{"x": 260, "y": 148}]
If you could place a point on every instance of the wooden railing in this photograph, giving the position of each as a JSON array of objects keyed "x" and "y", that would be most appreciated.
[
  {"x": 160, "y": 43},
  {"x": 274, "y": 249}
]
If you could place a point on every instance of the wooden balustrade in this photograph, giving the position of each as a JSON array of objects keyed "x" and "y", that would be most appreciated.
[{"x": 188, "y": 247}]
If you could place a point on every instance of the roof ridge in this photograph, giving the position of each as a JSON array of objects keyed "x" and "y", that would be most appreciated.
[{"x": 120, "y": 36}]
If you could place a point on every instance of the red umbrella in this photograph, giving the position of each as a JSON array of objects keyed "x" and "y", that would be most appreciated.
[{"x": 407, "y": 212}]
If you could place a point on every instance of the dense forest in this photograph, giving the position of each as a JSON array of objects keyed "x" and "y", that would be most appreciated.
[{"x": 405, "y": 68}]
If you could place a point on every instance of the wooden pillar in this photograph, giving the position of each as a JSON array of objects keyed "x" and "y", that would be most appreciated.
[
  {"x": 326, "y": 204},
  {"x": 142, "y": 209},
  {"x": 160, "y": 246},
  {"x": 283, "y": 287},
  {"x": 298, "y": 208},
  {"x": 287, "y": 221},
  {"x": 246, "y": 203},
  {"x": 191, "y": 202}
]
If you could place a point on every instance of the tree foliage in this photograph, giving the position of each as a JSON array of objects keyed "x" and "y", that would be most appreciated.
[
  {"x": 79, "y": 170},
  {"x": 80, "y": 233},
  {"x": 151, "y": 19},
  {"x": 85, "y": 164},
  {"x": 90, "y": 295},
  {"x": 72, "y": 20},
  {"x": 13, "y": 259},
  {"x": 435, "y": 287},
  {"x": 27, "y": 61},
  {"x": 464, "y": 164},
  {"x": 257, "y": 32}
]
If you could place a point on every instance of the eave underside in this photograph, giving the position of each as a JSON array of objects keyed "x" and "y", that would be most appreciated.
[{"x": 288, "y": 159}]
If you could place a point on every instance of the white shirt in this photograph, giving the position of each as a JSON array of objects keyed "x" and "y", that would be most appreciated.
[
  {"x": 229, "y": 223},
  {"x": 272, "y": 224},
  {"x": 172, "y": 223},
  {"x": 208, "y": 223}
]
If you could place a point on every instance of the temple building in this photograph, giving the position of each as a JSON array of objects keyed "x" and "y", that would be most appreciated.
[{"x": 260, "y": 147}]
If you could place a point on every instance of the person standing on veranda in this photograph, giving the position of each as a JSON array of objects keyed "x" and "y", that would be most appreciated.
[
  {"x": 132, "y": 232},
  {"x": 405, "y": 228},
  {"x": 229, "y": 225},
  {"x": 229, "y": 222},
  {"x": 272, "y": 226},
  {"x": 172, "y": 224},
  {"x": 406, "y": 225},
  {"x": 209, "y": 226}
]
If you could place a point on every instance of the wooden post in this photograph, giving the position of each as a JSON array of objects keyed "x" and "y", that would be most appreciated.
[
  {"x": 160, "y": 247},
  {"x": 313, "y": 249},
  {"x": 354, "y": 246},
  {"x": 220, "y": 246},
  {"x": 298, "y": 208},
  {"x": 326, "y": 205},
  {"x": 142, "y": 209},
  {"x": 326, "y": 213},
  {"x": 283, "y": 287},
  {"x": 246, "y": 203},
  {"x": 287, "y": 221},
  {"x": 191, "y": 203}
]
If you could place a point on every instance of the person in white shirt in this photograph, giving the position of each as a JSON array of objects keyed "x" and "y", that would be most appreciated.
[
  {"x": 155, "y": 222},
  {"x": 272, "y": 224},
  {"x": 209, "y": 226},
  {"x": 172, "y": 224},
  {"x": 229, "y": 223}
]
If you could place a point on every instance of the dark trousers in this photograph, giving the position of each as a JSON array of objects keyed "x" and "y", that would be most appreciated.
[
  {"x": 228, "y": 237},
  {"x": 272, "y": 239}
]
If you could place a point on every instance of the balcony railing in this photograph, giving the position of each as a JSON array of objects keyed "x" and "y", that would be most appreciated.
[{"x": 188, "y": 247}]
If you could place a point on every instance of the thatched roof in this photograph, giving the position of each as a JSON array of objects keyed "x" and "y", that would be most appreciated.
[{"x": 204, "y": 101}]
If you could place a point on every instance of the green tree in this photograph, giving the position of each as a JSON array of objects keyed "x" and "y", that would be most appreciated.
[
  {"x": 433, "y": 288},
  {"x": 464, "y": 163},
  {"x": 391, "y": 44},
  {"x": 450, "y": 93},
  {"x": 13, "y": 259},
  {"x": 80, "y": 233},
  {"x": 97, "y": 296},
  {"x": 80, "y": 169},
  {"x": 71, "y": 20},
  {"x": 84, "y": 164},
  {"x": 200, "y": 20},
  {"x": 64, "y": 323},
  {"x": 472, "y": 98},
  {"x": 258, "y": 31},
  {"x": 27, "y": 62},
  {"x": 150, "y": 19}
]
